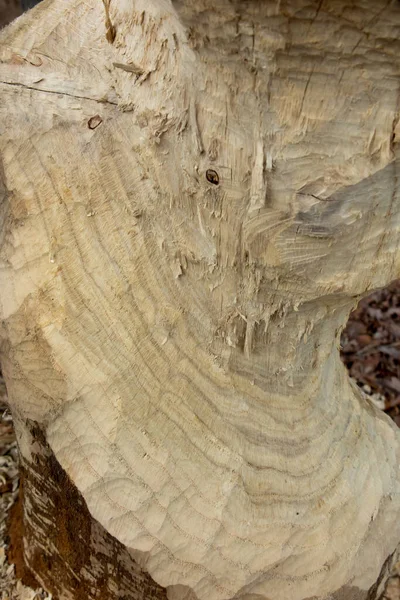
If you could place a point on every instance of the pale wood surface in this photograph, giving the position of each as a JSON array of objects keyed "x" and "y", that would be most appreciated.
[{"x": 177, "y": 339}]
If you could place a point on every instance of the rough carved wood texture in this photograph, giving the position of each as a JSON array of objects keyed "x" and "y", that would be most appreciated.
[
  {"x": 177, "y": 338},
  {"x": 55, "y": 537}
]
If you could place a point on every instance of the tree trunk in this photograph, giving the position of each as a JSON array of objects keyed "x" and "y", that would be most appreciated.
[
  {"x": 195, "y": 195},
  {"x": 69, "y": 553}
]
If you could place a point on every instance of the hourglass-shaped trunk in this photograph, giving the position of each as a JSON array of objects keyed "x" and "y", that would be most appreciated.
[{"x": 195, "y": 195}]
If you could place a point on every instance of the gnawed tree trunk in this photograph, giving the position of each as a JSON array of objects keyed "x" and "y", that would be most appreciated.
[{"x": 195, "y": 196}]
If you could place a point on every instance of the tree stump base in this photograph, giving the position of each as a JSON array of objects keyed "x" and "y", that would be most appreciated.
[{"x": 55, "y": 543}]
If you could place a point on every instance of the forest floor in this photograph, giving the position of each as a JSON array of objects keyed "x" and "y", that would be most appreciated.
[{"x": 371, "y": 348}]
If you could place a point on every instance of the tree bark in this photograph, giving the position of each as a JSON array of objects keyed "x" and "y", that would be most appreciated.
[
  {"x": 195, "y": 197},
  {"x": 70, "y": 554}
]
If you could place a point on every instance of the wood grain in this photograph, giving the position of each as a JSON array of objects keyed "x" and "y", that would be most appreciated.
[{"x": 177, "y": 340}]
